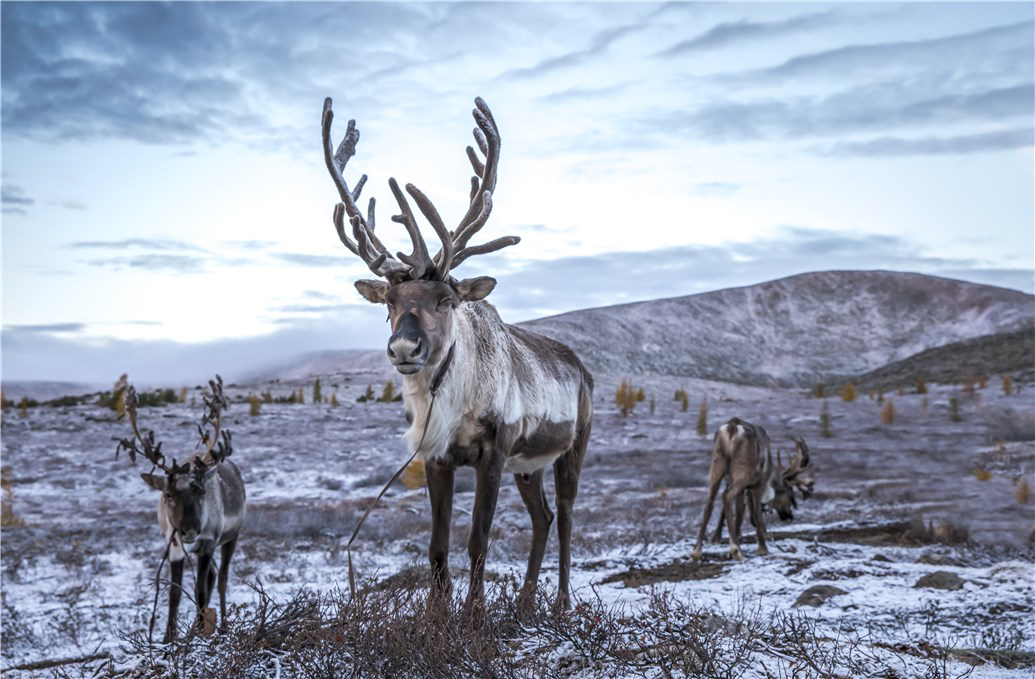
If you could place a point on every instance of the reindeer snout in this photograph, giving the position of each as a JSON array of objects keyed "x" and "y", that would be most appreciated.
[{"x": 407, "y": 349}]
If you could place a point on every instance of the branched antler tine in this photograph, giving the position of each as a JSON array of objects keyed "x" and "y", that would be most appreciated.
[
  {"x": 339, "y": 226},
  {"x": 474, "y": 188},
  {"x": 476, "y": 163},
  {"x": 374, "y": 260},
  {"x": 491, "y": 246},
  {"x": 420, "y": 260},
  {"x": 358, "y": 189},
  {"x": 483, "y": 145},
  {"x": 465, "y": 231},
  {"x": 444, "y": 261}
]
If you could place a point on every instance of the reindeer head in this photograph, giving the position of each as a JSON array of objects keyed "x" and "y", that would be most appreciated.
[
  {"x": 419, "y": 290},
  {"x": 183, "y": 486},
  {"x": 785, "y": 482}
]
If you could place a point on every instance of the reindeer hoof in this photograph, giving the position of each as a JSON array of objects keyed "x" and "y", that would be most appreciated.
[
  {"x": 696, "y": 554},
  {"x": 736, "y": 555},
  {"x": 763, "y": 551}
]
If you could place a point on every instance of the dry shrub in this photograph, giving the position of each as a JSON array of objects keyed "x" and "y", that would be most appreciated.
[
  {"x": 921, "y": 385},
  {"x": 182, "y": 400},
  {"x": 1007, "y": 385},
  {"x": 254, "y": 405},
  {"x": 413, "y": 476},
  {"x": 334, "y": 400},
  {"x": 982, "y": 381},
  {"x": 848, "y": 392},
  {"x": 968, "y": 385},
  {"x": 1023, "y": 492},
  {"x": 954, "y": 410},
  {"x": 887, "y": 413},
  {"x": 702, "y": 418},
  {"x": 982, "y": 474},
  {"x": 625, "y": 397},
  {"x": 819, "y": 391},
  {"x": 7, "y": 515}
]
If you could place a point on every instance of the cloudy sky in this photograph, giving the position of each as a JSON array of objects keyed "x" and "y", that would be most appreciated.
[{"x": 166, "y": 209}]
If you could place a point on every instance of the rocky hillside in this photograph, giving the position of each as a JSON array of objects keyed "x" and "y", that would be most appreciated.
[{"x": 792, "y": 331}]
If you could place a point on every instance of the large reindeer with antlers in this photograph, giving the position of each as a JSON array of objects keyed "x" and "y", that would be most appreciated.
[
  {"x": 201, "y": 507},
  {"x": 478, "y": 392},
  {"x": 741, "y": 452}
]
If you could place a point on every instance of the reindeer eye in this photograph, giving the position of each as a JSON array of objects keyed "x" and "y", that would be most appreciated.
[{"x": 444, "y": 303}]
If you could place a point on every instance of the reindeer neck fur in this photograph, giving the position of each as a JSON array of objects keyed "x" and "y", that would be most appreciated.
[{"x": 500, "y": 376}]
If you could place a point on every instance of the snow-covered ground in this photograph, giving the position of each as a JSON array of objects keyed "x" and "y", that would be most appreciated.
[{"x": 890, "y": 504}]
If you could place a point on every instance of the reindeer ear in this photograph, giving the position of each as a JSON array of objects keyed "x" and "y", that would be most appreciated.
[
  {"x": 154, "y": 480},
  {"x": 474, "y": 289},
  {"x": 373, "y": 291}
]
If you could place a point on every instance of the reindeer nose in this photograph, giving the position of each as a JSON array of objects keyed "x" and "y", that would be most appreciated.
[
  {"x": 407, "y": 346},
  {"x": 406, "y": 349}
]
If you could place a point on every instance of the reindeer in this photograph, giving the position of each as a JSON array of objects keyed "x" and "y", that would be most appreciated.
[
  {"x": 201, "y": 506},
  {"x": 478, "y": 392},
  {"x": 787, "y": 483},
  {"x": 741, "y": 452}
]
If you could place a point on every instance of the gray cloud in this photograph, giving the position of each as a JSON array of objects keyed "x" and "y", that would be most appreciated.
[
  {"x": 862, "y": 109},
  {"x": 162, "y": 244},
  {"x": 734, "y": 32},
  {"x": 573, "y": 94},
  {"x": 598, "y": 44},
  {"x": 716, "y": 188},
  {"x": 890, "y": 147},
  {"x": 45, "y": 328},
  {"x": 154, "y": 262},
  {"x": 998, "y": 49},
  {"x": 303, "y": 259},
  {"x": 14, "y": 199},
  {"x": 67, "y": 204}
]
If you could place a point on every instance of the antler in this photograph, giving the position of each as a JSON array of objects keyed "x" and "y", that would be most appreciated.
[
  {"x": 419, "y": 265},
  {"x": 799, "y": 465},
  {"x": 367, "y": 246},
  {"x": 215, "y": 404},
  {"x": 149, "y": 450}
]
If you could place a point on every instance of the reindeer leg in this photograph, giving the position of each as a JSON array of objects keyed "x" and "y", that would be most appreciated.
[
  {"x": 439, "y": 476},
  {"x": 224, "y": 575},
  {"x": 534, "y": 496},
  {"x": 486, "y": 491},
  {"x": 717, "y": 534},
  {"x": 740, "y": 514},
  {"x": 203, "y": 585},
  {"x": 715, "y": 476},
  {"x": 566, "y": 470},
  {"x": 175, "y": 590},
  {"x": 759, "y": 521},
  {"x": 733, "y": 495}
]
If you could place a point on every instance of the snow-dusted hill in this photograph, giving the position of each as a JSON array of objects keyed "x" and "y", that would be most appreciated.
[{"x": 791, "y": 331}]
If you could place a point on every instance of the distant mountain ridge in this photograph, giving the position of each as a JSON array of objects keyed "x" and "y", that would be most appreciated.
[{"x": 794, "y": 331}]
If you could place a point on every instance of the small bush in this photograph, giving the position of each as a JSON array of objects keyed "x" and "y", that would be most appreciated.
[
  {"x": 368, "y": 395},
  {"x": 824, "y": 422},
  {"x": 300, "y": 397},
  {"x": 389, "y": 395},
  {"x": 254, "y": 405},
  {"x": 182, "y": 400},
  {"x": 267, "y": 396},
  {"x": 982, "y": 474},
  {"x": 413, "y": 476},
  {"x": 954, "y": 410},
  {"x": 848, "y": 392},
  {"x": 7, "y": 515},
  {"x": 334, "y": 400},
  {"x": 819, "y": 391},
  {"x": 968, "y": 385},
  {"x": 702, "y": 418},
  {"x": 1007, "y": 385},
  {"x": 1023, "y": 493},
  {"x": 625, "y": 397},
  {"x": 317, "y": 396},
  {"x": 921, "y": 385},
  {"x": 982, "y": 381},
  {"x": 880, "y": 397},
  {"x": 887, "y": 413}
]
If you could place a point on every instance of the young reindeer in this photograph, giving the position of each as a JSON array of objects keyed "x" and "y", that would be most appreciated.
[
  {"x": 741, "y": 452},
  {"x": 201, "y": 507},
  {"x": 787, "y": 483},
  {"x": 478, "y": 392}
]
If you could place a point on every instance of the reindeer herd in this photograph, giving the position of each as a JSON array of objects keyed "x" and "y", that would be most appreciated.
[{"x": 477, "y": 392}]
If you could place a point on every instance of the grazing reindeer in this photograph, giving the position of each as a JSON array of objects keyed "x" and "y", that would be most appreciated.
[
  {"x": 741, "y": 452},
  {"x": 201, "y": 507},
  {"x": 478, "y": 392},
  {"x": 786, "y": 483}
]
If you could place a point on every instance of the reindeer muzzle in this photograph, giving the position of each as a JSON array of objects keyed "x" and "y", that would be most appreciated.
[{"x": 407, "y": 347}]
